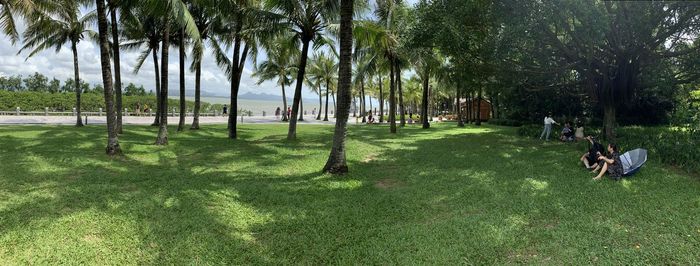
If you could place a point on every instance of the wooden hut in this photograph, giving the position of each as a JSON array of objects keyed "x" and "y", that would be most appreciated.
[{"x": 485, "y": 108}]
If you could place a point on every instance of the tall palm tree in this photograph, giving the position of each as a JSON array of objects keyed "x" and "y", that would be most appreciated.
[
  {"x": 307, "y": 20},
  {"x": 327, "y": 69},
  {"x": 112, "y": 136},
  {"x": 314, "y": 80},
  {"x": 113, "y": 6},
  {"x": 336, "y": 163},
  {"x": 64, "y": 25},
  {"x": 279, "y": 65},
  {"x": 207, "y": 18},
  {"x": 143, "y": 31}
]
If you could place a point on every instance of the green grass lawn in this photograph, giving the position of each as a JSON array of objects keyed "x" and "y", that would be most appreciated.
[{"x": 441, "y": 196}]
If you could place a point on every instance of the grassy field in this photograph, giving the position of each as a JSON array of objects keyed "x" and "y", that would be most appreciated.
[{"x": 441, "y": 196}]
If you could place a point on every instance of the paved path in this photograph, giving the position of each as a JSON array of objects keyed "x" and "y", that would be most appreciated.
[{"x": 144, "y": 120}]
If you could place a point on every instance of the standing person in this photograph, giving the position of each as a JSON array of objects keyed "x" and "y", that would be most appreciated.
[
  {"x": 225, "y": 110},
  {"x": 313, "y": 112},
  {"x": 548, "y": 121},
  {"x": 278, "y": 113},
  {"x": 611, "y": 164},
  {"x": 138, "y": 109},
  {"x": 289, "y": 111}
]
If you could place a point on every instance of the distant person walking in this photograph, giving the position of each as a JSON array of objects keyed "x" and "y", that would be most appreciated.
[
  {"x": 313, "y": 112},
  {"x": 289, "y": 111},
  {"x": 548, "y": 121},
  {"x": 225, "y": 110},
  {"x": 138, "y": 109},
  {"x": 278, "y": 113}
]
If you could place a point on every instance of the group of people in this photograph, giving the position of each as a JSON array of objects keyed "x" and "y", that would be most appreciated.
[
  {"x": 568, "y": 132},
  {"x": 594, "y": 159},
  {"x": 279, "y": 111}
]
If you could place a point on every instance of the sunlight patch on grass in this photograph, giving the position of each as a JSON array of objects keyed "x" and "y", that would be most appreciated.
[{"x": 534, "y": 184}]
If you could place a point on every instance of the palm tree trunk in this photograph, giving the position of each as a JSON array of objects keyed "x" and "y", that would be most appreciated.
[
  {"x": 381, "y": 101},
  {"x": 79, "y": 122},
  {"x": 162, "y": 138},
  {"x": 183, "y": 105},
  {"x": 371, "y": 109},
  {"x": 117, "y": 67},
  {"x": 392, "y": 98},
  {"x": 363, "y": 106},
  {"x": 301, "y": 109},
  {"x": 197, "y": 92},
  {"x": 424, "y": 101},
  {"x": 292, "y": 134},
  {"x": 112, "y": 136},
  {"x": 335, "y": 107},
  {"x": 325, "y": 117},
  {"x": 336, "y": 163},
  {"x": 320, "y": 102},
  {"x": 402, "y": 110},
  {"x": 284, "y": 101},
  {"x": 233, "y": 112},
  {"x": 460, "y": 121},
  {"x": 156, "y": 121}
]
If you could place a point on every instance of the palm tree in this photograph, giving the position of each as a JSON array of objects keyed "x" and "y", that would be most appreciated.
[
  {"x": 113, "y": 6},
  {"x": 308, "y": 20},
  {"x": 144, "y": 31},
  {"x": 327, "y": 68},
  {"x": 207, "y": 20},
  {"x": 10, "y": 8},
  {"x": 278, "y": 65},
  {"x": 336, "y": 163},
  {"x": 64, "y": 25},
  {"x": 314, "y": 80},
  {"x": 112, "y": 136}
]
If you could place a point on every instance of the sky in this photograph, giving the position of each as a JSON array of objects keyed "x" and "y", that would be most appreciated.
[{"x": 60, "y": 65}]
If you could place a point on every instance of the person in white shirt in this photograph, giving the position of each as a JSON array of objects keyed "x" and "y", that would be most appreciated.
[{"x": 548, "y": 121}]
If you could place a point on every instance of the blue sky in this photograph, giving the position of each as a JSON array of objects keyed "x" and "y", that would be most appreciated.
[{"x": 60, "y": 66}]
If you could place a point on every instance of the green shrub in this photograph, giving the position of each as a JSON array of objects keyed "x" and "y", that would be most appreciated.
[{"x": 90, "y": 102}]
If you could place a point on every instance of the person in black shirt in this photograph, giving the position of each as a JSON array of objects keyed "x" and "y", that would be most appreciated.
[{"x": 590, "y": 158}]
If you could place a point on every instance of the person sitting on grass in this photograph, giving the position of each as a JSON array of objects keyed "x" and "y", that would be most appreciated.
[
  {"x": 590, "y": 158},
  {"x": 611, "y": 164},
  {"x": 567, "y": 133}
]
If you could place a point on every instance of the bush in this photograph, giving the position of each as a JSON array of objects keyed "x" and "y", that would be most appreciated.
[
  {"x": 678, "y": 147},
  {"x": 505, "y": 122}
]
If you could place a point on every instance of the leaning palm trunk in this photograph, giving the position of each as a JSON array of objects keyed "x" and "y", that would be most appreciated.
[
  {"x": 197, "y": 93},
  {"x": 162, "y": 138},
  {"x": 335, "y": 107},
  {"x": 156, "y": 121},
  {"x": 117, "y": 67},
  {"x": 79, "y": 122},
  {"x": 183, "y": 105},
  {"x": 292, "y": 133},
  {"x": 112, "y": 137},
  {"x": 336, "y": 163}
]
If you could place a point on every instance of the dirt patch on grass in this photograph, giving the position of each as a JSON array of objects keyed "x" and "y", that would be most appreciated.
[
  {"x": 388, "y": 183},
  {"x": 91, "y": 238}
]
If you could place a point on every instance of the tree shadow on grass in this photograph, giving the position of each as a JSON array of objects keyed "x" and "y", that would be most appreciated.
[{"x": 444, "y": 196}]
